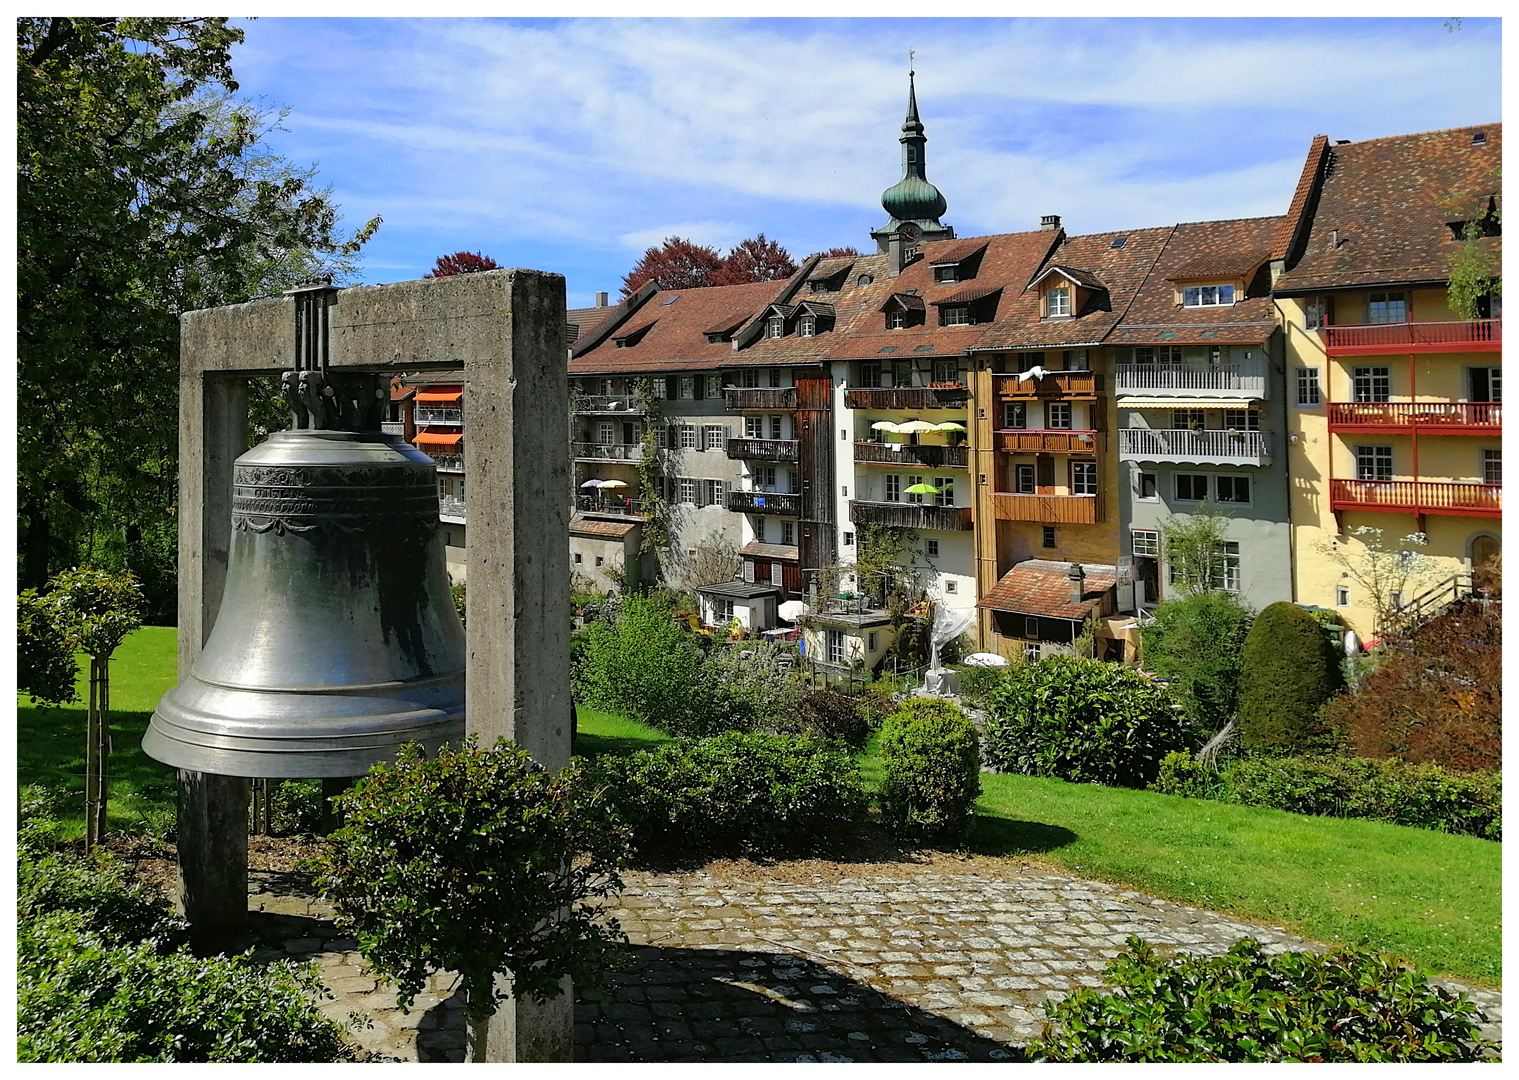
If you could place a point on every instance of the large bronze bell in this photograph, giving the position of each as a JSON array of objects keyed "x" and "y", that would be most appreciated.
[{"x": 337, "y": 639}]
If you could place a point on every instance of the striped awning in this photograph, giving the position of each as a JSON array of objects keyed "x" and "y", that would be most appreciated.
[
  {"x": 440, "y": 397},
  {"x": 1242, "y": 402},
  {"x": 444, "y": 440}
]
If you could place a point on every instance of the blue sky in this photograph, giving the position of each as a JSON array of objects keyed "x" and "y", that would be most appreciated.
[{"x": 571, "y": 145}]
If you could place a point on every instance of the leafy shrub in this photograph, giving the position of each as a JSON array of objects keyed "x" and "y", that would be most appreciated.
[
  {"x": 977, "y": 684},
  {"x": 1437, "y": 696},
  {"x": 930, "y": 769},
  {"x": 1288, "y": 670},
  {"x": 732, "y": 794},
  {"x": 45, "y": 666},
  {"x": 1421, "y": 796},
  {"x": 745, "y": 684},
  {"x": 1195, "y": 644},
  {"x": 460, "y": 594},
  {"x": 828, "y": 714},
  {"x": 476, "y": 861},
  {"x": 1246, "y": 1006},
  {"x": 1082, "y": 720},
  {"x": 103, "y": 973},
  {"x": 295, "y": 807}
]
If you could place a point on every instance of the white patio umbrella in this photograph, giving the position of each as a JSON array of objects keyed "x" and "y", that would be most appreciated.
[
  {"x": 613, "y": 484},
  {"x": 915, "y": 427},
  {"x": 791, "y": 610},
  {"x": 591, "y": 483},
  {"x": 987, "y": 659},
  {"x": 884, "y": 425}
]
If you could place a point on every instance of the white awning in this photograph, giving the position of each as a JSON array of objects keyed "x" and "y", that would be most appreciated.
[{"x": 1243, "y": 401}]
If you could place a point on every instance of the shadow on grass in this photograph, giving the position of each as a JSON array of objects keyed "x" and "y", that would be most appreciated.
[
  {"x": 1002, "y": 836},
  {"x": 50, "y": 753},
  {"x": 592, "y": 746}
]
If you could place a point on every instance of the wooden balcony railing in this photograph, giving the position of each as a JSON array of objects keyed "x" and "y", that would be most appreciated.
[
  {"x": 1370, "y": 339},
  {"x": 1246, "y": 379},
  {"x": 911, "y": 515},
  {"x": 1200, "y": 447},
  {"x": 906, "y": 397},
  {"x": 763, "y": 449},
  {"x": 737, "y": 398},
  {"x": 1437, "y": 417},
  {"x": 932, "y": 456},
  {"x": 1018, "y": 441},
  {"x": 585, "y": 451},
  {"x": 765, "y": 502},
  {"x": 1060, "y": 384},
  {"x": 603, "y": 506},
  {"x": 1417, "y": 497},
  {"x": 1049, "y": 509}
]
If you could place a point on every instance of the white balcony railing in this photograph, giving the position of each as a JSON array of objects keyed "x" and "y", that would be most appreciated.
[
  {"x": 424, "y": 416},
  {"x": 1245, "y": 379},
  {"x": 450, "y": 508},
  {"x": 609, "y": 451},
  {"x": 1194, "y": 447}
]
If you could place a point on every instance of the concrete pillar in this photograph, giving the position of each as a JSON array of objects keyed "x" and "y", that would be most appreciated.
[
  {"x": 212, "y": 829},
  {"x": 517, "y": 686}
]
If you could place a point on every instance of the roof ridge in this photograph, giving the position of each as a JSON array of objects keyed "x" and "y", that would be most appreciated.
[
  {"x": 1231, "y": 220},
  {"x": 1416, "y": 134}
]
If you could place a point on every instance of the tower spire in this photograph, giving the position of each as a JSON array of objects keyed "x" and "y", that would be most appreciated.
[{"x": 913, "y": 205}]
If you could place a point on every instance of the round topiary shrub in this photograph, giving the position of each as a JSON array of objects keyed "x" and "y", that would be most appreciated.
[
  {"x": 1081, "y": 720},
  {"x": 930, "y": 769},
  {"x": 1288, "y": 669}
]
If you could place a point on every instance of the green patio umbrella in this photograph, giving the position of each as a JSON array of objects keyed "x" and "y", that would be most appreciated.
[{"x": 923, "y": 489}]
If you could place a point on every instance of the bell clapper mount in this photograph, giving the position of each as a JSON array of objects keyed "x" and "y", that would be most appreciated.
[{"x": 319, "y": 399}]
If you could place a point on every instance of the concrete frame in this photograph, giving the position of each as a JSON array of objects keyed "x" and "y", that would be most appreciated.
[{"x": 505, "y": 330}]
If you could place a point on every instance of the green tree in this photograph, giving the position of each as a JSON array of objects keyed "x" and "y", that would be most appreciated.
[
  {"x": 96, "y": 609},
  {"x": 480, "y": 862},
  {"x": 1288, "y": 669},
  {"x": 143, "y": 191},
  {"x": 45, "y": 665},
  {"x": 1383, "y": 569},
  {"x": 1194, "y": 643},
  {"x": 1194, "y": 550}
]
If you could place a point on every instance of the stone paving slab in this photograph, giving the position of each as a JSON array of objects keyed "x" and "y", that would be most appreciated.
[{"x": 899, "y": 963}]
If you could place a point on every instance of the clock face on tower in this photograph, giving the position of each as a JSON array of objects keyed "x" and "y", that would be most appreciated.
[{"x": 911, "y": 232}]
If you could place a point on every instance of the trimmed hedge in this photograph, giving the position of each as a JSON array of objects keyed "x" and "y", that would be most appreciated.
[
  {"x": 732, "y": 794},
  {"x": 1246, "y": 1006},
  {"x": 1081, "y": 720},
  {"x": 1288, "y": 669},
  {"x": 1421, "y": 796},
  {"x": 930, "y": 769}
]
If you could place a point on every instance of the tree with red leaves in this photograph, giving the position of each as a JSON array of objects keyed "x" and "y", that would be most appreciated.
[
  {"x": 682, "y": 264},
  {"x": 840, "y": 253},
  {"x": 756, "y": 259},
  {"x": 463, "y": 262}
]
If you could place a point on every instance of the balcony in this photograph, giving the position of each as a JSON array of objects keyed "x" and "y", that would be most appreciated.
[
  {"x": 451, "y": 509},
  {"x": 738, "y": 398},
  {"x": 1018, "y": 441},
  {"x": 907, "y": 397},
  {"x": 763, "y": 449},
  {"x": 602, "y": 506},
  {"x": 1049, "y": 509},
  {"x": 1187, "y": 447},
  {"x": 933, "y": 457},
  {"x": 448, "y": 463},
  {"x": 423, "y": 416},
  {"x": 1424, "y": 417},
  {"x": 1380, "y": 339},
  {"x": 393, "y": 427},
  {"x": 1417, "y": 497},
  {"x": 911, "y": 515},
  {"x": 765, "y": 502},
  {"x": 623, "y": 404},
  {"x": 1059, "y": 384},
  {"x": 608, "y": 451},
  {"x": 1245, "y": 380}
]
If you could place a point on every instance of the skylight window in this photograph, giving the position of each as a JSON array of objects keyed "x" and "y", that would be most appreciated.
[
  {"x": 670, "y": 301},
  {"x": 1478, "y": 138},
  {"x": 1119, "y": 241}
]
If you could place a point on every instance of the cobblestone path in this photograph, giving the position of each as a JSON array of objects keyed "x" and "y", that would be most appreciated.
[{"x": 894, "y": 962}]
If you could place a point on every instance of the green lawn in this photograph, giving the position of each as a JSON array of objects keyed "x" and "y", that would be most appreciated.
[
  {"x": 1428, "y": 897},
  {"x": 50, "y": 741}
]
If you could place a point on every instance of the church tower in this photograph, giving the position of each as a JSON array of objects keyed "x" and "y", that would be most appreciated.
[{"x": 913, "y": 205}]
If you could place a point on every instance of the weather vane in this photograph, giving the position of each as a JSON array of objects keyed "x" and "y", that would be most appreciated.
[{"x": 910, "y": 54}]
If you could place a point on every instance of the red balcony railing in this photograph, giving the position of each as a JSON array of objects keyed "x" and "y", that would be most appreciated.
[
  {"x": 1439, "y": 417},
  {"x": 1011, "y": 441},
  {"x": 1476, "y": 335},
  {"x": 1060, "y": 384},
  {"x": 1417, "y": 497}
]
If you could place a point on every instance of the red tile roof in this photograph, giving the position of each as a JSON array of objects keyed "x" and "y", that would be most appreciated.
[
  {"x": 592, "y": 527},
  {"x": 758, "y": 550},
  {"x": 1290, "y": 231},
  {"x": 1382, "y": 208},
  {"x": 1040, "y": 587}
]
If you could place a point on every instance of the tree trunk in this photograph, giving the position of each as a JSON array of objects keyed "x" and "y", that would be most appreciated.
[
  {"x": 36, "y": 545},
  {"x": 103, "y": 754},
  {"x": 91, "y": 756}
]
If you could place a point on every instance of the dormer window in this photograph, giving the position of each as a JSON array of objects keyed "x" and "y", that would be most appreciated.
[
  {"x": 715, "y": 339},
  {"x": 1207, "y": 296},
  {"x": 896, "y": 320},
  {"x": 864, "y": 280},
  {"x": 1057, "y": 302},
  {"x": 775, "y": 326},
  {"x": 628, "y": 340},
  {"x": 946, "y": 275},
  {"x": 819, "y": 286},
  {"x": 806, "y": 326},
  {"x": 955, "y": 316}
]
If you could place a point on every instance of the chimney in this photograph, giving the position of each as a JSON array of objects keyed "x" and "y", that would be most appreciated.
[
  {"x": 601, "y": 299},
  {"x": 1077, "y": 577},
  {"x": 1334, "y": 238},
  {"x": 1049, "y": 223},
  {"x": 896, "y": 249}
]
